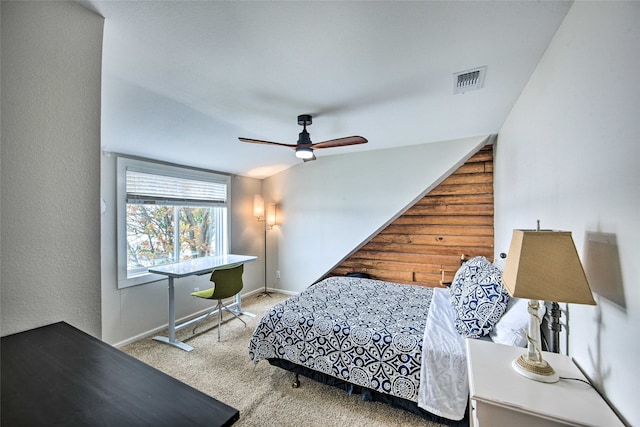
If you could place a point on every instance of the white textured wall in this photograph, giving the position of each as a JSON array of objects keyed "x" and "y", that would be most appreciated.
[
  {"x": 568, "y": 155},
  {"x": 332, "y": 205},
  {"x": 51, "y": 64}
]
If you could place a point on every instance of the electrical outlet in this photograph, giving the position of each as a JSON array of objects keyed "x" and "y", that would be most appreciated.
[{"x": 277, "y": 274}]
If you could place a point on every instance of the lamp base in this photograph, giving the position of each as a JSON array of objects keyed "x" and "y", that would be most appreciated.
[
  {"x": 538, "y": 371},
  {"x": 265, "y": 294}
]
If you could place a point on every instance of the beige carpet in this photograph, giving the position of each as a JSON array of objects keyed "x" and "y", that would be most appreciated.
[{"x": 262, "y": 393}]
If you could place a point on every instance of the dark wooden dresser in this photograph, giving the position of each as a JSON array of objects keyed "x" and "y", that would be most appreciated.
[{"x": 57, "y": 375}]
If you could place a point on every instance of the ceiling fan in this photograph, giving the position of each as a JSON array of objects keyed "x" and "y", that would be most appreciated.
[{"x": 304, "y": 147}]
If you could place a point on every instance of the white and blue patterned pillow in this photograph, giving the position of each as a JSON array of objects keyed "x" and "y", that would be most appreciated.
[{"x": 478, "y": 297}]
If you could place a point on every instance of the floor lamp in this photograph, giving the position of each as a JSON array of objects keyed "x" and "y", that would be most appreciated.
[{"x": 269, "y": 219}]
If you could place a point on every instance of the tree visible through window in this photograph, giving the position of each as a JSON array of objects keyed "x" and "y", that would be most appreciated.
[{"x": 159, "y": 235}]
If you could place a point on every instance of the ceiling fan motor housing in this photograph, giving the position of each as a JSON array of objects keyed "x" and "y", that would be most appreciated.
[{"x": 304, "y": 138}]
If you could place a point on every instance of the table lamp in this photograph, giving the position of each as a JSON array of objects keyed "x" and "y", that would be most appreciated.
[{"x": 543, "y": 265}]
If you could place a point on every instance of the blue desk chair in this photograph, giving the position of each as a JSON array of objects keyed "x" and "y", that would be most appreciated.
[{"x": 227, "y": 283}]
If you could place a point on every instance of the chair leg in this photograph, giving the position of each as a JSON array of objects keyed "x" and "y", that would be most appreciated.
[
  {"x": 234, "y": 313},
  {"x": 221, "y": 307},
  {"x": 202, "y": 320}
]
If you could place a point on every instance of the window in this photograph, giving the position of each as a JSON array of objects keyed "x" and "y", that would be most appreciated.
[{"x": 167, "y": 214}]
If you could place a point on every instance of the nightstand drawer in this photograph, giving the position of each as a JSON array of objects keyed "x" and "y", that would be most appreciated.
[{"x": 487, "y": 414}]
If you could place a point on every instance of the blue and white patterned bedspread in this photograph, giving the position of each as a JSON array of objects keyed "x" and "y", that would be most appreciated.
[{"x": 363, "y": 331}]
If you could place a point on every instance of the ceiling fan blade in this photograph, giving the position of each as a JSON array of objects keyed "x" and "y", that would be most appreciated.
[
  {"x": 259, "y": 141},
  {"x": 340, "y": 142}
]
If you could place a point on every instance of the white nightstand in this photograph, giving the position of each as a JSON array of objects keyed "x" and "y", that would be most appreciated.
[{"x": 501, "y": 397}]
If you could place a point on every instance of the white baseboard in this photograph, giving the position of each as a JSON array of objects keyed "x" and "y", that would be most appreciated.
[
  {"x": 159, "y": 329},
  {"x": 270, "y": 290}
]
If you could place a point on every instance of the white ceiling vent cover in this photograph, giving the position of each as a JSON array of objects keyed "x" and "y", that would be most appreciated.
[{"x": 465, "y": 81}]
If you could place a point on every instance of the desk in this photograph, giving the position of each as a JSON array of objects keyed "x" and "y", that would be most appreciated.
[
  {"x": 195, "y": 267},
  {"x": 57, "y": 375}
]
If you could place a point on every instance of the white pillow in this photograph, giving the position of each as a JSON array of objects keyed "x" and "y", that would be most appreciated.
[{"x": 512, "y": 327}]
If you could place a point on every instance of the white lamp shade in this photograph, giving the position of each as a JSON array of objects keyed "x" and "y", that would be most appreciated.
[
  {"x": 271, "y": 214},
  {"x": 258, "y": 206}
]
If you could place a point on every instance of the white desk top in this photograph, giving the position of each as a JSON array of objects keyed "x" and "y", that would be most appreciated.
[
  {"x": 493, "y": 380},
  {"x": 202, "y": 265}
]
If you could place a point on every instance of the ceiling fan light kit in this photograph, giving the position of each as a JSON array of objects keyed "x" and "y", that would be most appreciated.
[
  {"x": 304, "y": 147},
  {"x": 304, "y": 153}
]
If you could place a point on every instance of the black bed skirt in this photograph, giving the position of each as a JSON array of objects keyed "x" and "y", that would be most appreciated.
[{"x": 368, "y": 394}]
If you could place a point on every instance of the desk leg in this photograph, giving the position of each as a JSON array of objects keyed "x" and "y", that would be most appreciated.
[
  {"x": 172, "y": 323},
  {"x": 238, "y": 304}
]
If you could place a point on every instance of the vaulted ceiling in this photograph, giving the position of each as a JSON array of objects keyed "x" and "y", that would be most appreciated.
[{"x": 182, "y": 80}]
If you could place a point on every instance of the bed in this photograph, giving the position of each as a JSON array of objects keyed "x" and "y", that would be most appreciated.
[{"x": 400, "y": 344}]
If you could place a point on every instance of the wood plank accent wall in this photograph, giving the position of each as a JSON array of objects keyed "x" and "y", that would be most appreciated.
[{"x": 453, "y": 219}]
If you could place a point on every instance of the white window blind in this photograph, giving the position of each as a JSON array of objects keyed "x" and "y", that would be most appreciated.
[{"x": 145, "y": 187}]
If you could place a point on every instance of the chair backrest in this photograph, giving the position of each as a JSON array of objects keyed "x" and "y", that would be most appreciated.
[{"x": 228, "y": 281}]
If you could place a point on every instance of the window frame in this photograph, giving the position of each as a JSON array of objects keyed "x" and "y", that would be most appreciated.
[{"x": 123, "y": 164}]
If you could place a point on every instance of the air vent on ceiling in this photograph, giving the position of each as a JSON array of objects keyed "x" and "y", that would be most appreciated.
[{"x": 465, "y": 81}]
